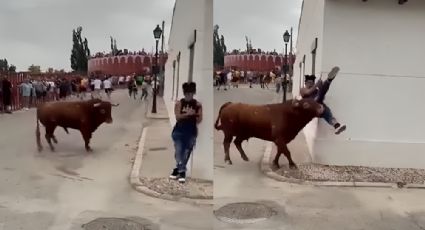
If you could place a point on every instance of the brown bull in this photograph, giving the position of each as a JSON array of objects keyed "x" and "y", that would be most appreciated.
[
  {"x": 279, "y": 123},
  {"x": 85, "y": 116}
]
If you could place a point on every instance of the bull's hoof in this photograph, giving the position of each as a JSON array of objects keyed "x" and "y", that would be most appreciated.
[
  {"x": 52, "y": 149},
  {"x": 276, "y": 164},
  {"x": 40, "y": 148},
  {"x": 55, "y": 140},
  {"x": 89, "y": 149},
  {"x": 245, "y": 158},
  {"x": 229, "y": 162},
  {"x": 293, "y": 166}
]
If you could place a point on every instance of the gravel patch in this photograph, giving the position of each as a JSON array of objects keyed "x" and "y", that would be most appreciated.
[
  {"x": 317, "y": 172},
  {"x": 193, "y": 188}
]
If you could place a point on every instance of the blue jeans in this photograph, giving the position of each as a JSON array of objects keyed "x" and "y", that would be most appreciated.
[
  {"x": 183, "y": 144},
  {"x": 327, "y": 114},
  {"x": 323, "y": 89}
]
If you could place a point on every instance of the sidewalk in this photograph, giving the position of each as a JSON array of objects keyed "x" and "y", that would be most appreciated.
[{"x": 155, "y": 161}]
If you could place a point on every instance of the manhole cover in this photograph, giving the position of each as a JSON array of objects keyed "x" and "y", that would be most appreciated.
[
  {"x": 116, "y": 224},
  {"x": 244, "y": 213}
]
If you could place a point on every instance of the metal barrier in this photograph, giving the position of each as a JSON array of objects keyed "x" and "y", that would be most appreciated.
[{"x": 17, "y": 100}]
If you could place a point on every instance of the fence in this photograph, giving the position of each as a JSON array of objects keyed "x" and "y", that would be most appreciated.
[{"x": 18, "y": 78}]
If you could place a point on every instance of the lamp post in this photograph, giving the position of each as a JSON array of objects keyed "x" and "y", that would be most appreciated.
[
  {"x": 157, "y": 34},
  {"x": 286, "y": 37}
]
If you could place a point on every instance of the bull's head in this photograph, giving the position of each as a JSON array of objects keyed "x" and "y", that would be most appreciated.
[
  {"x": 309, "y": 106},
  {"x": 102, "y": 111}
]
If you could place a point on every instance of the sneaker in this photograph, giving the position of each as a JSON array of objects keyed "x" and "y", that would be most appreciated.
[
  {"x": 174, "y": 174},
  {"x": 333, "y": 73},
  {"x": 182, "y": 177},
  {"x": 340, "y": 129}
]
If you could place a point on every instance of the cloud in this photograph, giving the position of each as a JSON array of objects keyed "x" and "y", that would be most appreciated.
[
  {"x": 40, "y": 31},
  {"x": 263, "y": 21}
]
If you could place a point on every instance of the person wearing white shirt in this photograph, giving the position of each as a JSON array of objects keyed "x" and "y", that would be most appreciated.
[
  {"x": 97, "y": 83},
  {"x": 229, "y": 79},
  {"x": 107, "y": 85}
]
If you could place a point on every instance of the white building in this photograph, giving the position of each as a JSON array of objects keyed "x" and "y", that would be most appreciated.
[
  {"x": 190, "y": 55},
  {"x": 379, "y": 92}
]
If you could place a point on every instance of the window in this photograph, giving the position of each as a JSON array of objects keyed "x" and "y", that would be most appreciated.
[
  {"x": 191, "y": 56},
  {"x": 174, "y": 76},
  {"x": 313, "y": 54},
  {"x": 178, "y": 75}
]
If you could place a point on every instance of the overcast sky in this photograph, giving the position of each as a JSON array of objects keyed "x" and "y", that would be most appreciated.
[
  {"x": 40, "y": 31},
  {"x": 263, "y": 21}
]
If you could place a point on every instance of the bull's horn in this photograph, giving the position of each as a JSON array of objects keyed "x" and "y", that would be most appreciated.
[
  {"x": 96, "y": 105},
  {"x": 115, "y": 105}
]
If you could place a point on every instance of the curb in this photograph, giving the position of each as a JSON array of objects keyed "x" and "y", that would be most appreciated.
[
  {"x": 138, "y": 185},
  {"x": 267, "y": 170}
]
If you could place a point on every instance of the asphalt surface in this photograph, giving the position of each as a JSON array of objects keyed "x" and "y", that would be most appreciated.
[
  {"x": 70, "y": 187},
  {"x": 299, "y": 206}
]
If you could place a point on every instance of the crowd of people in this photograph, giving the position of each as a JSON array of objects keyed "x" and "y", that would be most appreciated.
[
  {"x": 232, "y": 78},
  {"x": 252, "y": 51},
  {"x": 32, "y": 91},
  {"x": 110, "y": 54}
]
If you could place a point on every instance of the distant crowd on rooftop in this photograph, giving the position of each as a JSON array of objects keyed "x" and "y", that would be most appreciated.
[
  {"x": 252, "y": 51},
  {"x": 125, "y": 52}
]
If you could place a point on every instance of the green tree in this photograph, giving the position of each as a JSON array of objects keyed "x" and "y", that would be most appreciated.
[
  {"x": 114, "y": 49},
  {"x": 80, "y": 53},
  {"x": 12, "y": 68},
  {"x": 4, "y": 66},
  {"x": 34, "y": 69},
  {"x": 220, "y": 48}
]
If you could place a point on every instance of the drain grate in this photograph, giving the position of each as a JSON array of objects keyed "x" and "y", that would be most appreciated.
[
  {"x": 244, "y": 213},
  {"x": 158, "y": 149},
  {"x": 116, "y": 224}
]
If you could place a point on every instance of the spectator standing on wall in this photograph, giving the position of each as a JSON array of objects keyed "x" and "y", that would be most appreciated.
[{"x": 7, "y": 94}]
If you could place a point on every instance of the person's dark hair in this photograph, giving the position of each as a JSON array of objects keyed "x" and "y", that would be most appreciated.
[
  {"x": 189, "y": 87},
  {"x": 310, "y": 77}
]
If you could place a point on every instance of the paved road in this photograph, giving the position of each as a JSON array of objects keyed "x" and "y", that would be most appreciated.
[
  {"x": 68, "y": 188},
  {"x": 305, "y": 207}
]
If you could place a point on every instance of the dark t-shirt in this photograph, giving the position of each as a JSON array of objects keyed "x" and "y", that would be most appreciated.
[{"x": 188, "y": 125}]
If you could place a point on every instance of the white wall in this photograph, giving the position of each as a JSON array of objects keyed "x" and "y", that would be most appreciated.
[
  {"x": 311, "y": 26},
  {"x": 379, "y": 90},
  {"x": 188, "y": 16}
]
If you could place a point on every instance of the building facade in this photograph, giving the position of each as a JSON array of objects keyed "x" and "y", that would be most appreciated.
[
  {"x": 255, "y": 62},
  {"x": 190, "y": 58},
  {"x": 124, "y": 64},
  {"x": 379, "y": 91}
]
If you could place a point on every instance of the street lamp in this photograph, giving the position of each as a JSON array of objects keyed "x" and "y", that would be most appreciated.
[
  {"x": 157, "y": 34},
  {"x": 286, "y": 37}
]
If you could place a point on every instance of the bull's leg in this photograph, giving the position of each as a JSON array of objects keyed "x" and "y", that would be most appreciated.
[
  {"x": 54, "y": 139},
  {"x": 226, "y": 144},
  {"x": 87, "y": 137},
  {"x": 49, "y": 135},
  {"x": 238, "y": 143},
  {"x": 283, "y": 148}
]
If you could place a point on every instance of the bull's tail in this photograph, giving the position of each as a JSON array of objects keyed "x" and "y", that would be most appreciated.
[
  {"x": 37, "y": 134},
  {"x": 216, "y": 125}
]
